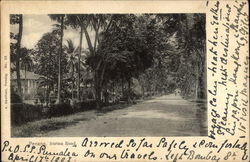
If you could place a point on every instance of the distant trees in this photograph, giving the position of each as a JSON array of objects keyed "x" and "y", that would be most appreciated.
[
  {"x": 179, "y": 60},
  {"x": 192, "y": 41}
]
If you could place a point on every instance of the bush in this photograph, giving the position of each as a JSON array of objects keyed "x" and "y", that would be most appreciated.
[
  {"x": 15, "y": 98},
  {"x": 22, "y": 113},
  {"x": 132, "y": 94},
  {"x": 59, "y": 110},
  {"x": 85, "y": 105}
]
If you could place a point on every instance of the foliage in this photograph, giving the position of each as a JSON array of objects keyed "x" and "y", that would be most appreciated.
[
  {"x": 22, "y": 113},
  {"x": 85, "y": 105},
  {"x": 180, "y": 55},
  {"x": 123, "y": 51},
  {"x": 162, "y": 51},
  {"x": 46, "y": 61},
  {"x": 60, "y": 110},
  {"x": 15, "y": 98},
  {"x": 45, "y": 56},
  {"x": 26, "y": 62}
]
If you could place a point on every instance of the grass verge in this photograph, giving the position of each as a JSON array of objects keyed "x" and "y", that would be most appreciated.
[
  {"x": 41, "y": 127},
  {"x": 37, "y": 128}
]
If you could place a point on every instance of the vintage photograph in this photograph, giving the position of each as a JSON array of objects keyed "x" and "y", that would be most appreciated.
[{"x": 108, "y": 75}]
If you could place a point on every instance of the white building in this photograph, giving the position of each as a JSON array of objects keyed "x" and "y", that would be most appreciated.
[{"x": 29, "y": 83}]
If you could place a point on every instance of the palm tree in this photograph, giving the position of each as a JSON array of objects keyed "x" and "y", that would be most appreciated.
[
  {"x": 18, "y": 19},
  {"x": 78, "y": 21},
  {"x": 59, "y": 18},
  {"x": 100, "y": 23},
  {"x": 26, "y": 62},
  {"x": 72, "y": 62}
]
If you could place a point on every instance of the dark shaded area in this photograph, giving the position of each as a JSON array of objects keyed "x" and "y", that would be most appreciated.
[
  {"x": 201, "y": 115},
  {"x": 22, "y": 113},
  {"x": 54, "y": 126}
]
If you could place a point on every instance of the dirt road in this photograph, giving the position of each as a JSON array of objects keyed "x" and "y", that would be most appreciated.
[{"x": 168, "y": 115}]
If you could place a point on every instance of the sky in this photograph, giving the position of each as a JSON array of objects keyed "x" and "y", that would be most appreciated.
[{"x": 34, "y": 26}]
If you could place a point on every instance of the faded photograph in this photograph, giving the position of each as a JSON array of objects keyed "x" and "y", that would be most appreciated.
[{"x": 108, "y": 75}]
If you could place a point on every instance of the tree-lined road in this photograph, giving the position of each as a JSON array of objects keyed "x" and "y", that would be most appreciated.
[{"x": 168, "y": 115}]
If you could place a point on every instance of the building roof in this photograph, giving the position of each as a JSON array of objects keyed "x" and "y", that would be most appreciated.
[{"x": 27, "y": 75}]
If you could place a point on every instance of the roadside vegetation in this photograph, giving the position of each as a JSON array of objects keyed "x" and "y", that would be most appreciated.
[{"x": 129, "y": 57}]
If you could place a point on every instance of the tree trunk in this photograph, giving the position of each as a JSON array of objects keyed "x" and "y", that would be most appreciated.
[
  {"x": 143, "y": 91},
  {"x": 59, "y": 63},
  {"x": 203, "y": 81},
  {"x": 96, "y": 36},
  {"x": 47, "y": 91},
  {"x": 99, "y": 78},
  {"x": 72, "y": 90},
  {"x": 98, "y": 91},
  {"x": 129, "y": 91},
  {"x": 106, "y": 95},
  {"x": 20, "y": 33},
  {"x": 25, "y": 83},
  {"x": 79, "y": 65},
  {"x": 122, "y": 87},
  {"x": 25, "y": 70},
  {"x": 91, "y": 49},
  {"x": 197, "y": 82}
]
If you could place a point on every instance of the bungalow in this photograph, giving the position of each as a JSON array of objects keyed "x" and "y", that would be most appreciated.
[{"x": 29, "y": 83}]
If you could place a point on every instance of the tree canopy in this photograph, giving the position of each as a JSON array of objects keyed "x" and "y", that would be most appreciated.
[{"x": 162, "y": 51}]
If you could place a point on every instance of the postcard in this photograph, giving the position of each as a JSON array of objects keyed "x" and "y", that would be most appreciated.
[{"x": 124, "y": 81}]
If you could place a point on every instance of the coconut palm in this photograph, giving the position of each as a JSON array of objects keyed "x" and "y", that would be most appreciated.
[
  {"x": 73, "y": 62},
  {"x": 26, "y": 62},
  {"x": 100, "y": 23},
  {"x": 78, "y": 21},
  {"x": 71, "y": 50},
  {"x": 60, "y": 19}
]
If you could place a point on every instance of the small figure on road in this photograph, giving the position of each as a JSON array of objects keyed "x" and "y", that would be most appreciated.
[{"x": 177, "y": 91}]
